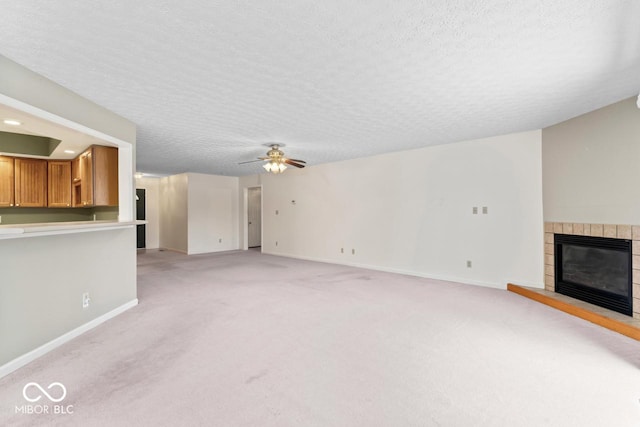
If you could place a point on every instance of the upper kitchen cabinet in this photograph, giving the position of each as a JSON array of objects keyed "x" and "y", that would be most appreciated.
[
  {"x": 30, "y": 183},
  {"x": 105, "y": 176},
  {"x": 7, "y": 181},
  {"x": 95, "y": 177},
  {"x": 59, "y": 183}
]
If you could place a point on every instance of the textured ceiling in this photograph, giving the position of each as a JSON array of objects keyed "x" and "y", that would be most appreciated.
[{"x": 209, "y": 82}]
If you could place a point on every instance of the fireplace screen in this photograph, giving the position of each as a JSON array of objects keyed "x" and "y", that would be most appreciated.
[{"x": 595, "y": 269}]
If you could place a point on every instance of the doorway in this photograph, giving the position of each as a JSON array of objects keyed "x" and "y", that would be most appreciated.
[
  {"x": 141, "y": 207},
  {"x": 254, "y": 217}
]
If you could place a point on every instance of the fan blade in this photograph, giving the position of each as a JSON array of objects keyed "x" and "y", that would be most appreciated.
[
  {"x": 292, "y": 163},
  {"x": 250, "y": 161},
  {"x": 297, "y": 161}
]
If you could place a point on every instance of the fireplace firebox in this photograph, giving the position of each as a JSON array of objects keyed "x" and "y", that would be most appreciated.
[{"x": 597, "y": 270}]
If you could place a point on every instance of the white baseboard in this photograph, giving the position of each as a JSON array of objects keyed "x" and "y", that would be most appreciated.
[
  {"x": 180, "y": 251},
  {"x": 397, "y": 270},
  {"x": 20, "y": 361}
]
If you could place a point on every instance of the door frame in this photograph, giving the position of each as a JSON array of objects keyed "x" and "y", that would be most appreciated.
[
  {"x": 144, "y": 214},
  {"x": 245, "y": 216}
]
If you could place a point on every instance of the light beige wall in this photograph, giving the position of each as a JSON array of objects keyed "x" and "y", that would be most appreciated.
[
  {"x": 213, "y": 213},
  {"x": 174, "y": 213},
  {"x": 591, "y": 167},
  {"x": 152, "y": 192},
  {"x": 411, "y": 211},
  {"x": 198, "y": 213},
  {"x": 43, "y": 278}
]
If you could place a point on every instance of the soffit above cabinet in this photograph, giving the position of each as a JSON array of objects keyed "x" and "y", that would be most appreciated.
[
  {"x": 39, "y": 138},
  {"x": 21, "y": 144}
]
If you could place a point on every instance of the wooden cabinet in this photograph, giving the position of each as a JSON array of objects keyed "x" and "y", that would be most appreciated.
[
  {"x": 30, "y": 182},
  {"x": 91, "y": 179},
  {"x": 59, "y": 183},
  {"x": 95, "y": 177},
  {"x": 105, "y": 176},
  {"x": 7, "y": 181}
]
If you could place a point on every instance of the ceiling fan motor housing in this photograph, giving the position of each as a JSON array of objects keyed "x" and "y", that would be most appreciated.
[{"x": 275, "y": 152}]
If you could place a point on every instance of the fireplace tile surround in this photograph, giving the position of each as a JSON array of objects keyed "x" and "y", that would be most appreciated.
[{"x": 616, "y": 231}]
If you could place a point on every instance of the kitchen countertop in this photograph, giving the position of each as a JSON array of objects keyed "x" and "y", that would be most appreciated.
[{"x": 13, "y": 231}]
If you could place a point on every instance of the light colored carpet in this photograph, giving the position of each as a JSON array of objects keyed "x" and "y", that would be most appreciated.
[{"x": 246, "y": 339}]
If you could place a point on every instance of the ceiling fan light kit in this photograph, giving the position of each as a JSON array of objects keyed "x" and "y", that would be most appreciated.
[{"x": 274, "y": 167}]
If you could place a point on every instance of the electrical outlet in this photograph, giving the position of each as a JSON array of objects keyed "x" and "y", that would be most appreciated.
[
  {"x": 468, "y": 264},
  {"x": 277, "y": 212},
  {"x": 85, "y": 300},
  {"x": 485, "y": 210},
  {"x": 219, "y": 240},
  {"x": 353, "y": 251},
  {"x": 341, "y": 250},
  {"x": 475, "y": 210},
  {"x": 276, "y": 243}
]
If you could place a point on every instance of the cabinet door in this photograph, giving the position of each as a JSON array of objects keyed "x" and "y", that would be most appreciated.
[
  {"x": 105, "y": 175},
  {"x": 59, "y": 183},
  {"x": 31, "y": 182},
  {"x": 7, "y": 181}
]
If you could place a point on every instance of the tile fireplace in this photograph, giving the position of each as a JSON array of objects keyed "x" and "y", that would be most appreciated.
[{"x": 597, "y": 263}]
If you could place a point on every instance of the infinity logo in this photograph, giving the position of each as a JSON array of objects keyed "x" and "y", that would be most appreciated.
[{"x": 43, "y": 391}]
